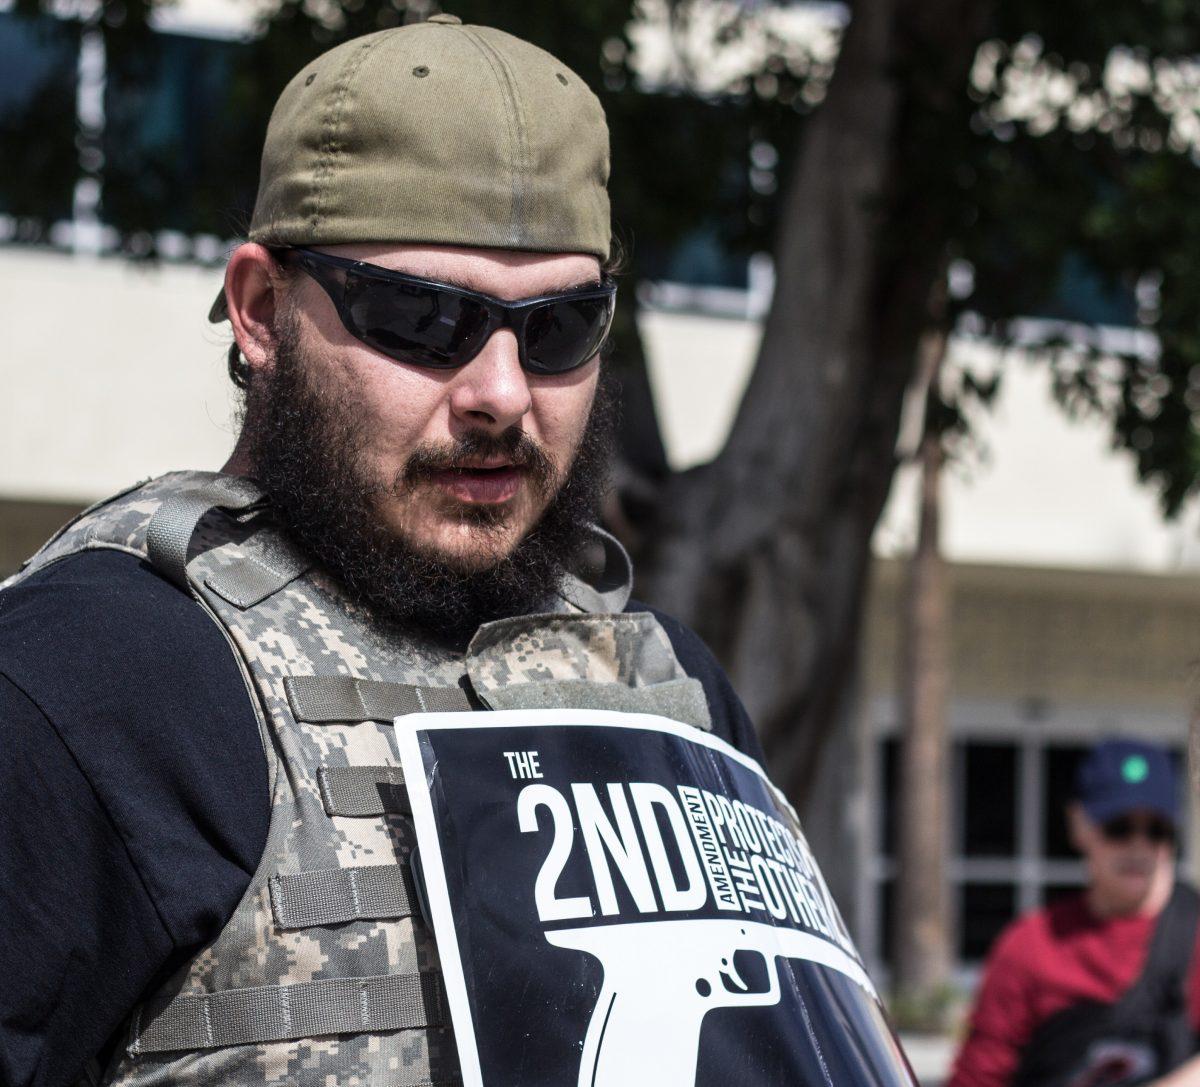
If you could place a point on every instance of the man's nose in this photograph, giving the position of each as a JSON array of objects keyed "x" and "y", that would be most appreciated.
[{"x": 492, "y": 391}]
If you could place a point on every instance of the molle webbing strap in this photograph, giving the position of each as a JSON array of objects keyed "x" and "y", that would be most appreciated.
[
  {"x": 363, "y": 790},
  {"x": 308, "y": 1009},
  {"x": 172, "y": 527},
  {"x": 264, "y": 567},
  {"x": 324, "y": 699},
  {"x": 333, "y": 896}
]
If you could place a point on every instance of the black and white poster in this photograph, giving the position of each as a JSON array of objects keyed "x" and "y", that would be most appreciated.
[{"x": 620, "y": 900}]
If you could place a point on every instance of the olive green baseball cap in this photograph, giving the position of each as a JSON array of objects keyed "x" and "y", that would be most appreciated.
[{"x": 437, "y": 133}]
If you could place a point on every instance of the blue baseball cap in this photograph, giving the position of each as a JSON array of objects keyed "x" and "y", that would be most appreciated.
[{"x": 1120, "y": 776}]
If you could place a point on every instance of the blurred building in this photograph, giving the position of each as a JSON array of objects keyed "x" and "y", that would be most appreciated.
[
  {"x": 1075, "y": 616},
  {"x": 1076, "y": 610}
]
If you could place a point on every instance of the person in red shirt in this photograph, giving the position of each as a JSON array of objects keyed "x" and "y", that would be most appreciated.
[{"x": 1069, "y": 997}]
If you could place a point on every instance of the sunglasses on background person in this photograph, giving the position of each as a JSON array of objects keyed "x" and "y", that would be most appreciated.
[
  {"x": 1124, "y": 827},
  {"x": 431, "y": 324}
]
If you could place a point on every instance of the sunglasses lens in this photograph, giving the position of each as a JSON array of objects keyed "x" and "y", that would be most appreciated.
[
  {"x": 1159, "y": 831},
  {"x": 414, "y": 323},
  {"x": 1119, "y": 829},
  {"x": 429, "y": 325},
  {"x": 1123, "y": 827},
  {"x": 561, "y": 335}
]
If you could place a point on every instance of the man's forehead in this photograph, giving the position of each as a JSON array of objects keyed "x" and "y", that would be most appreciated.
[{"x": 505, "y": 273}]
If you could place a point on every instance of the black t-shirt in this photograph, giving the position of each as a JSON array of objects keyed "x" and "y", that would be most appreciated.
[{"x": 133, "y": 798}]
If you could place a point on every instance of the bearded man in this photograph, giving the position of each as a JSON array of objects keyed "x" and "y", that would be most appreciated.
[{"x": 205, "y": 833}]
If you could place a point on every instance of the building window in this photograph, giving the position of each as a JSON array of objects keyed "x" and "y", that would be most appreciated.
[
  {"x": 176, "y": 140},
  {"x": 983, "y": 910},
  {"x": 988, "y": 774},
  {"x": 39, "y": 57},
  {"x": 1058, "y": 783}
]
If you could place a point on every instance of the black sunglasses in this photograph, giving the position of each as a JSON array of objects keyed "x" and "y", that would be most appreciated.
[
  {"x": 1123, "y": 827},
  {"x": 433, "y": 324}
]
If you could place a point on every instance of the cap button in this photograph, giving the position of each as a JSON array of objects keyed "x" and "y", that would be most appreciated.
[{"x": 445, "y": 18}]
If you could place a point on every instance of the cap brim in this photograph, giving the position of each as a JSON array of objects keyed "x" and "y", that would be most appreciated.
[{"x": 219, "y": 311}]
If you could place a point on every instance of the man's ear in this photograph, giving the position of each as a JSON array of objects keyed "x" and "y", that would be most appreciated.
[
  {"x": 1079, "y": 827},
  {"x": 252, "y": 287}
]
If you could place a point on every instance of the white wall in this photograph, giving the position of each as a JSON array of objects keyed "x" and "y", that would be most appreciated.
[
  {"x": 699, "y": 367},
  {"x": 109, "y": 372},
  {"x": 1047, "y": 491}
]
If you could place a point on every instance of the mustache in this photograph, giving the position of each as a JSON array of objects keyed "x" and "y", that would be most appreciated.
[{"x": 513, "y": 445}]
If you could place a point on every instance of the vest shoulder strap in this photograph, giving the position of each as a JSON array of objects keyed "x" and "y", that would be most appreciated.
[
  {"x": 167, "y": 522},
  {"x": 266, "y": 563},
  {"x": 1159, "y": 993},
  {"x": 171, "y": 529}
]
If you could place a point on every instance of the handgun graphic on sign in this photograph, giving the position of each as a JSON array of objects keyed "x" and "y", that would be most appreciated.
[{"x": 661, "y": 977}]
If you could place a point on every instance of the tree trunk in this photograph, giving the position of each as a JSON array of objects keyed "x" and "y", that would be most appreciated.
[
  {"x": 922, "y": 920},
  {"x": 765, "y": 550}
]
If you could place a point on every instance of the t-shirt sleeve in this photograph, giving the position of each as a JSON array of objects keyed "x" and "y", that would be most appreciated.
[
  {"x": 730, "y": 720},
  {"x": 80, "y": 937},
  {"x": 1193, "y": 988},
  {"x": 1002, "y": 1020},
  {"x": 133, "y": 803}
]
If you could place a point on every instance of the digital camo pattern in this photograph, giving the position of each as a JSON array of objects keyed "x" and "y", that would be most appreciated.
[
  {"x": 633, "y": 650},
  {"x": 308, "y": 627}
]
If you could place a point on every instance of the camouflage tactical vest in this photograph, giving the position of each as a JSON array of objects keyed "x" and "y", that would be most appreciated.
[{"x": 325, "y": 973}]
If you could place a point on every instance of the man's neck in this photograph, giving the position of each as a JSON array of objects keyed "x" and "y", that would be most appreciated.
[{"x": 238, "y": 463}]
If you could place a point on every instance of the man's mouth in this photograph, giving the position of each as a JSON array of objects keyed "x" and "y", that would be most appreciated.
[
  {"x": 486, "y": 481},
  {"x": 1133, "y": 869}
]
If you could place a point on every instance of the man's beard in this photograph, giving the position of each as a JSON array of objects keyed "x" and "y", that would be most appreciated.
[{"x": 307, "y": 452}]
